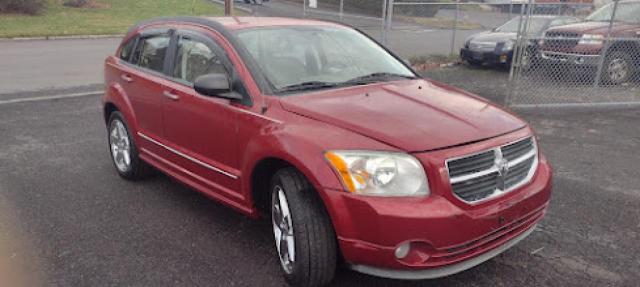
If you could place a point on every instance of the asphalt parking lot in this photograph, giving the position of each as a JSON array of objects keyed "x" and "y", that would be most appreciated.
[{"x": 67, "y": 219}]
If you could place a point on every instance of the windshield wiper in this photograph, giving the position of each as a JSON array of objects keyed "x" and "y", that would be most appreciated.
[
  {"x": 376, "y": 77},
  {"x": 307, "y": 86}
]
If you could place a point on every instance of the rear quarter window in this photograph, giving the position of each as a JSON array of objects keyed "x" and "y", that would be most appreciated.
[{"x": 127, "y": 49}]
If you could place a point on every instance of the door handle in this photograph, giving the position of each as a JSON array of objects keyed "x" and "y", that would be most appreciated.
[
  {"x": 126, "y": 78},
  {"x": 171, "y": 95}
]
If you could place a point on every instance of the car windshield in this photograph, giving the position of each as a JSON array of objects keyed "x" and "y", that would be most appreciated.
[
  {"x": 296, "y": 58},
  {"x": 626, "y": 12},
  {"x": 535, "y": 27}
]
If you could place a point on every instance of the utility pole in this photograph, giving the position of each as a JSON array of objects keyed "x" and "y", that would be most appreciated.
[{"x": 228, "y": 7}]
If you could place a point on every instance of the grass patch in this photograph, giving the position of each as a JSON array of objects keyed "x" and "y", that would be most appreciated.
[
  {"x": 106, "y": 17},
  {"x": 441, "y": 23},
  {"x": 430, "y": 62}
]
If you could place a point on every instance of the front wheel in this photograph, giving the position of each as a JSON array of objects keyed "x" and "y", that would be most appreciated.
[
  {"x": 303, "y": 233},
  {"x": 475, "y": 63}
]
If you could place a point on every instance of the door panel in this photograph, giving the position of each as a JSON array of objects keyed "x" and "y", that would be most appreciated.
[
  {"x": 143, "y": 84},
  {"x": 203, "y": 129}
]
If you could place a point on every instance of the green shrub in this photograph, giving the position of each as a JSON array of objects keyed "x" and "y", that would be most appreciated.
[
  {"x": 76, "y": 3},
  {"x": 31, "y": 7}
]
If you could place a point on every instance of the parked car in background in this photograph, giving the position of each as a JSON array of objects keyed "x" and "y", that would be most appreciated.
[
  {"x": 352, "y": 156},
  {"x": 580, "y": 45},
  {"x": 497, "y": 46}
]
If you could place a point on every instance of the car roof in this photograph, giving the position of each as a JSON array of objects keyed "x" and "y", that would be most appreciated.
[
  {"x": 225, "y": 24},
  {"x": 234, "y": 23},
  {"x": 549, "y": 16}
]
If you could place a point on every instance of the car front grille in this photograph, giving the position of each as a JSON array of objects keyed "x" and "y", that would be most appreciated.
[
  {"x": 493, "y": 172},
  {"x": 482, "y": 46},
  {"x": 561, "y": 40}
]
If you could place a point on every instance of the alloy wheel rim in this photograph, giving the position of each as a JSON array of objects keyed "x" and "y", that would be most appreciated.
[
  {"x": 618, "y": 70},
  {"x": 120, "y": 146},
  {"x": 283, "y": 229}
]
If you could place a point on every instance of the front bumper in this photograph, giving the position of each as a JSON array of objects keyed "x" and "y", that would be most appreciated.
[
  {"x": 445, "y": 270},
  {"x": 570, "y": 58},
  {"x": 446, "y": 235},
  {"x": 489, "y": 57}
]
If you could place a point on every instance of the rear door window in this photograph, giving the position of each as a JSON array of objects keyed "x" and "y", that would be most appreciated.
[{"x": 150, "y": 52}]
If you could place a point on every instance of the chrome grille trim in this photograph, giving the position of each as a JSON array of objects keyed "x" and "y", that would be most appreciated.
[{"x": 520, "y": 157}]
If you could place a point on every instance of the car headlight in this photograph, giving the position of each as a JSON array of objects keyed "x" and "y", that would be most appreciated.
[
  {"x": 508, "y": 45},
  {"x": 379, "y": 173},
  {"x": 590, "y": 39},
  {"x": 467, "y": 41}
]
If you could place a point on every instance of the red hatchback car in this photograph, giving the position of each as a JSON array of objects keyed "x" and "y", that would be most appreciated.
[{"x": 352, "y": 155}]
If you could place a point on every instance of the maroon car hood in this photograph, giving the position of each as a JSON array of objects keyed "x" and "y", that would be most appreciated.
[
  {"x": 415, "y": 115},
  {"x": 600, "y": 28}
]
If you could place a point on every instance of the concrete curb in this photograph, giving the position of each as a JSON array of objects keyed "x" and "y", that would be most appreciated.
[
  {"x": 576, "y": 107},
  {"x": 78, "y": 37}
]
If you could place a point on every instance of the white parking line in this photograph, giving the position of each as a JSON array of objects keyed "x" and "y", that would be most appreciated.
[{"x": 47, "y": 98}]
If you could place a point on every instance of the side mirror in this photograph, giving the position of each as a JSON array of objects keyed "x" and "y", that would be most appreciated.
[{"x": 215, "y": 85}]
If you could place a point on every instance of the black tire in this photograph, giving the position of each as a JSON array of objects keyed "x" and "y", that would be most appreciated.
[
  {"x": 623, "y": 65},
  {"x": 137, "y": 169},
  {"x": 475, "y": 63},
  {"x": 314, "y": 237}
]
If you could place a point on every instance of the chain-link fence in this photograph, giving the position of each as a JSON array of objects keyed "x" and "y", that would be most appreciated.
[
  {"x": 592, "y": 58},
  {"x": 556, "y": 53}
]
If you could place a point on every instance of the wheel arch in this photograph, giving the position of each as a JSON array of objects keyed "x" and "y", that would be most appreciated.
[
  {"x": 260, "y": 194},
  {"x": 266, "y": 168},
  {"x": 116, "y": 99},
  {"x": 630, "y": 47}
]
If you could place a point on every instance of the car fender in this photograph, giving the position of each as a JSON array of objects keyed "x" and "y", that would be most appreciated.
[
  {"x": 302, "y": 144},
  {"x": 116, "y": 95}
]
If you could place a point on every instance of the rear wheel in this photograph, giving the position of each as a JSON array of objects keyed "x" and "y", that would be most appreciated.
[
  {"x": 123, "y": 149},
  {"x": 617, "y": 69},
  {"x": 303, "y": 233}
]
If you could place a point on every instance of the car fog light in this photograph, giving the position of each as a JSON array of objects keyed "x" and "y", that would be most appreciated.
[{"x": 403, "y": 250}]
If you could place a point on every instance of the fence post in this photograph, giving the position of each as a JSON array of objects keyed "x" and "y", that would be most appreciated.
[
  {"x": 388, "y": 18},
  {"x": 510, "y": 10},
  {"x": 341, "y": 10},
  {"x": 304, "y": 8},
  {"x": 517, "y": 53},
  {"x": 455, "y": 29},
  {"x": 383, "y": 32},
  {"x": 607, "y": 44},
  {"x": 228, "y": 7}
]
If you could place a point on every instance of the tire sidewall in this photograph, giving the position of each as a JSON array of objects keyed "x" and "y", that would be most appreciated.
[
  {"x": 307, "y": 210},
  {"x": 293, "y": 202},
  {"x": 135, "y": 161}
]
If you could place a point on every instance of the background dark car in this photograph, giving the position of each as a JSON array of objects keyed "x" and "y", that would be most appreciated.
[
  {"x": 580, "y": 46},
  {"x": 496, "y": 46}
]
